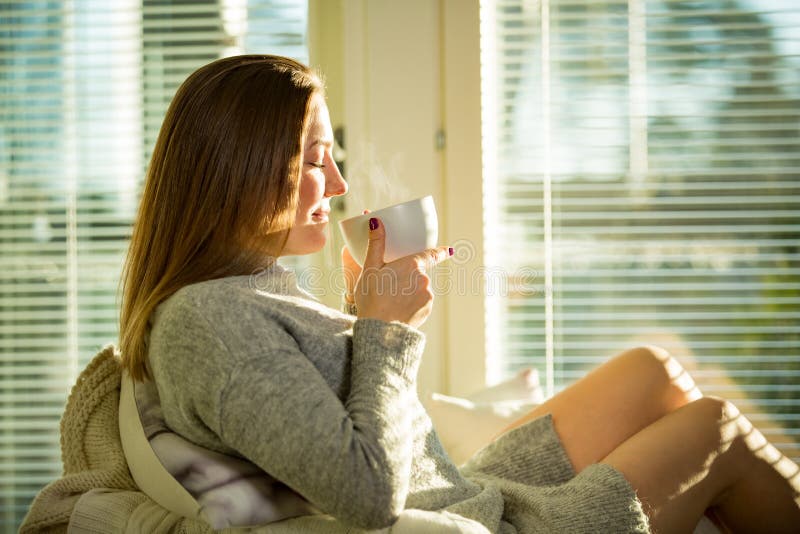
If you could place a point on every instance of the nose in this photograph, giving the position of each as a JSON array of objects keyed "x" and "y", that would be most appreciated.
[{"x": 335, "y": 184}]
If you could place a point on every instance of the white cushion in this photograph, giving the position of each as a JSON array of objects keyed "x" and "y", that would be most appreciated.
[
  {"x": 523, "y": 387},
  {"x": 465, "y": 425}
]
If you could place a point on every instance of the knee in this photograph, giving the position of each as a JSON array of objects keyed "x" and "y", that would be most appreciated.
[
  {"x": 664, "y": 372},
  {"x": 716, "y": 428},
  {"x": 720, "y": 418},
  {"x": 715, "y": 410},
  {"x": 652, "y": 362},
  {"x": 651, "y": 356}
]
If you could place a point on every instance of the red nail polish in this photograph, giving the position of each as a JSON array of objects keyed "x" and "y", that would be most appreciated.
[
  {"x": 451, "y": 251},
  {"x": 373, "y": 223}
]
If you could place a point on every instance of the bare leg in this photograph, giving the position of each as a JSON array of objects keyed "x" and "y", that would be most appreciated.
[
  {"x": 707, "y": 454},
  {"x": 602, "y": 416},
  {"x": 615, "y": 401}
]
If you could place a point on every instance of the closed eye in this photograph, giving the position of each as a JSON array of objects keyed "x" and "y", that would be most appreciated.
[{"x": 316, "y": 165}]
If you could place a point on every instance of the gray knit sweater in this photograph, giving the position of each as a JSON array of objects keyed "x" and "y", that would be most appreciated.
[{"x": 254, "y": 366}]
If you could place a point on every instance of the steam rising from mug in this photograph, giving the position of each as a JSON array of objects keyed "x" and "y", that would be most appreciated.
[{"x": 411, "y": 227}]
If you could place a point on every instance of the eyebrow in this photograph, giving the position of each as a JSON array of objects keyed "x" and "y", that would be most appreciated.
[{"x": 322, "y": 141}]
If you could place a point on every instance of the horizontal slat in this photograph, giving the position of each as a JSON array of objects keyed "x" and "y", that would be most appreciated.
[
  {"x": 23, "y": 425},
  {"x": 772, "y": 229},
  {"x": 26, "y": 195},
  {"x": 26, "y": 488},
  {"x": 84, "y": 246},
  {"x": 695, "y": 202},
  {"x": 90, "y": 278},
  {"x": 33, "y": 302},
  {"x": 564, "y": 285},
  {"x": 216, "y": 38},
  {"x": 23, "y": 268},
  {"x": 614, "y": 29},
  {"x": 665, "y": 316},
  {"x": 513, "y": 62},
  {"x": 649, "y": 273},
  {"x": 12, "y": 443},
  {"x": 653, "y": 15},
  {"x": 20, "y": 331},
  {"x": 30, "y": 469},
  {"x": 519, "y": 324},
  {"x": 785, "y": 113},
  {"x": 756, "y": 143},
  {"x": 53, "y": 412},
  {"x": 653, "y": 256},
  {"x": 57, "y": 367},
  {"x": 179, "y": 56},
  {"x": 589, "y": 187},
  {"x": 722, "y": 344},
  {"x": 650, "y": 251},
  {"x": 95, "y": 6},
  {"x": 689, "y": 173},
  {"x": 699, "y": 359}
]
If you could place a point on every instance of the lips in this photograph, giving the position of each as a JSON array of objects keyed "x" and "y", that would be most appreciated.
[{"x": 320, "y": 215}]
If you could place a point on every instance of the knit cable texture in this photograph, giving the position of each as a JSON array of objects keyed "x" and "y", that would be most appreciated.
[{"x": 91, "y": 451}]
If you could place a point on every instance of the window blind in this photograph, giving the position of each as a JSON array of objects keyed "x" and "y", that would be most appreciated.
[
  {"x": 643, "y": 157},
  {"x": 85, "y": 85}
]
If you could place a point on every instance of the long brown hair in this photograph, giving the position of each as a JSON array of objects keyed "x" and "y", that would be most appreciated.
[{"x": 221, "y": 190}]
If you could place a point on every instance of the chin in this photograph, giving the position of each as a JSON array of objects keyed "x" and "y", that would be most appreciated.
[{"x": 305, "y": 240}]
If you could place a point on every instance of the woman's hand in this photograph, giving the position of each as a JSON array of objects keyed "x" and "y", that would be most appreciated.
[
  {"x": 396, "y": 291},
  {"x": 352, "y": 270}
]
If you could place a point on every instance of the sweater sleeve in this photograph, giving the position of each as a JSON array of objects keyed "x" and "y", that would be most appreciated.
[{"x": 350, "y": 459}]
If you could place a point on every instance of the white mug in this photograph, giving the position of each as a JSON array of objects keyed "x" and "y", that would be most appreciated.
[{"x": 410, "y": 227}]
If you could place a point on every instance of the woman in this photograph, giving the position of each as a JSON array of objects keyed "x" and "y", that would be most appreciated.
[{"x": 247, "y": 364}]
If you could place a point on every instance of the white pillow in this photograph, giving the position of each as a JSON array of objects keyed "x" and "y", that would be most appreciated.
[
  {"x": 524, "y": 386},
  {"x": 465, "y": 427}
]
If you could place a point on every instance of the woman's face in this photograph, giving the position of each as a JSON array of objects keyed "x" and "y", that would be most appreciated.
[{"x": 319, "y": 181}]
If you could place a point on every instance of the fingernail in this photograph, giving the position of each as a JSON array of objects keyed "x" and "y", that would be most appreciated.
[
  {"x": 451, "y": 251},
  {"x": 373, "y": 223}
]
